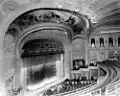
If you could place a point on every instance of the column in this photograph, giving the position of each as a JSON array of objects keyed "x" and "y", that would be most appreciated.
[
  {"x": 86, "y": 52},
  {"x": 60, "y": 66},
  {"x": 18, "y": 64},
  {"x": 67, "y": 60},
  {"x": 24, "y": 78}
]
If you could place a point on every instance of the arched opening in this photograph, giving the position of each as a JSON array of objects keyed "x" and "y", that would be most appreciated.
[
  {"x": 110, "y": 41},
  {"x": 40, "y": 59},
  {"x": 93, "y": 42},
  {"x": 118, "y": 41},
  {"x": 29, "y": 65},
  {"x": 101, "y": 42}
]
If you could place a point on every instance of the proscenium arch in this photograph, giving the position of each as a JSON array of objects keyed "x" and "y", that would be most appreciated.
[
  {"x": 17, "y": 49},
  {"x": 84, "y": 21},
  {"x": 63, "y": 10},
  {"x": 38, "y": 33},
  {"x": 66, "y": 49},
  {"x": 58, "y": 28},
  {"x": 14, "y": 15}
]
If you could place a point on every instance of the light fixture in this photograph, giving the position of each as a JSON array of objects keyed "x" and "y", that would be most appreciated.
[
  {"x": 93, "y": 45},
  {"x": 76, "y": 10},
  {"x": 59, "y": 6},
  {"x": 93, "y": 20}
]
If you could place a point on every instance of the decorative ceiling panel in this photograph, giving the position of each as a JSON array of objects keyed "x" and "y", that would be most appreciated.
[{"x": 95, "y": 9}]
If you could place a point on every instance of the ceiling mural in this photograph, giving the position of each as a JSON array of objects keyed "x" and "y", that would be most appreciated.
[
  {"x": 76, "y": 22},
  {"x": 95, "y": 10}
]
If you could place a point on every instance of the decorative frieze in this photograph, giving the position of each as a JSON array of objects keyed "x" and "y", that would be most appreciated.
[{"x": 64, "y": 17}]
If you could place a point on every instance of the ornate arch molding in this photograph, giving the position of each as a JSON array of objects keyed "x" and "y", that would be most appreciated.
[
  {"x": 77, "y": 22},
  {"x": 48, "y": 26},
  {"x": 12, "y": 22},
  {"x": 48, "y": 30}
]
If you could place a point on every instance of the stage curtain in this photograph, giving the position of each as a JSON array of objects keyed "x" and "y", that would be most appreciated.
[{"x": 40, "y": 67}]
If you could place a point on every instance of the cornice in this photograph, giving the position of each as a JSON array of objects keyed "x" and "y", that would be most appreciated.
[
  {"x": 106, "y": 29},
  {"x": 109, "y": 19}
]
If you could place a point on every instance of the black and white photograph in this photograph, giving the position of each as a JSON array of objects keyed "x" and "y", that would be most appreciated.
[{"x": 59, "y": 47}]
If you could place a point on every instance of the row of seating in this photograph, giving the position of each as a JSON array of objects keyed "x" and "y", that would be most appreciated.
[{"x": 68, "y": 85}]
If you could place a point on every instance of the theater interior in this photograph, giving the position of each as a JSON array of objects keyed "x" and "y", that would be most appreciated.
[{"x": 59, "y": 47}]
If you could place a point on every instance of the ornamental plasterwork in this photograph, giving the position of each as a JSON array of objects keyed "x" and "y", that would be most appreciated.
[
  {"x": 10, "y": 6},
  {"x": 94, "y": 8},
  {"x": 67, "y": 18},
  {"x": 89, "y": 8},
  {"x": 13, "y": 5}
]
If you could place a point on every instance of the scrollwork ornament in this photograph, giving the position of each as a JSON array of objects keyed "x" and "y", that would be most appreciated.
[{"x": 10, "y": 6}]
